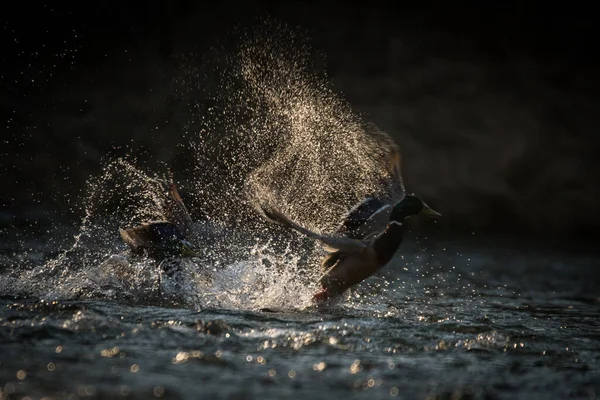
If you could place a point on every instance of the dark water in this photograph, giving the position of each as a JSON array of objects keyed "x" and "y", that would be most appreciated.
[{"x": 452, "y": 319}]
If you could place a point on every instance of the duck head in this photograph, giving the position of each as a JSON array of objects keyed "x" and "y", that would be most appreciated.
[{"x": 411, "y": 205}]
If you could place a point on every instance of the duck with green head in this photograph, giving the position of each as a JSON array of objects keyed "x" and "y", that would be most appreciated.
[{"x": 351, "y": 261}]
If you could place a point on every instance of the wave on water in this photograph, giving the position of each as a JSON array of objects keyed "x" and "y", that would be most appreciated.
[{"x": 275, "y": 133}]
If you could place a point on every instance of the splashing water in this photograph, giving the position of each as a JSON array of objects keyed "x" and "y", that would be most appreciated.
[{"x": 276, "y": 133}]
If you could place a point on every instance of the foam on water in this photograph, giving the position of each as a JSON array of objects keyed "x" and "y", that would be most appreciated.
[{"x": 275, "y": 133}]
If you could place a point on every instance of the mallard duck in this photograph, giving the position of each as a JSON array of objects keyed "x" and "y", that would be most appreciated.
[
  {"x": 369, "y": 234},
  {"x": 351, "y": 261},
  {"x": 171, "y": 237}
]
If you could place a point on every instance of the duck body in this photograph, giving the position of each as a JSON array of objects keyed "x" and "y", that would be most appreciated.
[
  {"x": 155, "y": 239},
  {"x": 350, "y": 269}
]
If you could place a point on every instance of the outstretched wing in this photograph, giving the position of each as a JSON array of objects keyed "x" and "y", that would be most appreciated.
[
  {"x": 367, "y": 218},
  {"x": 397, "y": 189},
  {"x": 370, "y": 217},
  {"x": 175, "y": 211},
  {"x": 331, "y": 243}
]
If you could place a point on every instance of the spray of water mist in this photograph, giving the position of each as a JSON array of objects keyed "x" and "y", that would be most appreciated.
[{"x": 276, "y": 133}]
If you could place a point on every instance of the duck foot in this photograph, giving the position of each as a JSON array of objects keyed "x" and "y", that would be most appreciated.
[{"x": 321, "y": 296}]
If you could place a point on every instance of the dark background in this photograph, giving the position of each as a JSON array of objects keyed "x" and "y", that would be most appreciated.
[{"x": 495, "y": 107}]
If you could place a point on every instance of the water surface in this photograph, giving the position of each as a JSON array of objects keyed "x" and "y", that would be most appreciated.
[{"x": 446, "y": 319}]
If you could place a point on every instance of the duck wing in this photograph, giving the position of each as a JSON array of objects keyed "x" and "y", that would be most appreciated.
[
  {"x": 369, "y": 217},
  {"x": 175, "y": 211},
  {"x": 394, "y": 181},
  {"x": 330, "y": 243},
  {"x": 365, "y": 219}
]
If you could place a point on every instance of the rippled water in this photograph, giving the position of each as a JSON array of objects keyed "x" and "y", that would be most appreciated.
[{"x": 447, "y": 319}]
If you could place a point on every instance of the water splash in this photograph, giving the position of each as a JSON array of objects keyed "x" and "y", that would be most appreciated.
[
  {"x": 275, "y": 130},
  {"x": 266, "y": 279},
  {"x": 276, "y": 133}
]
